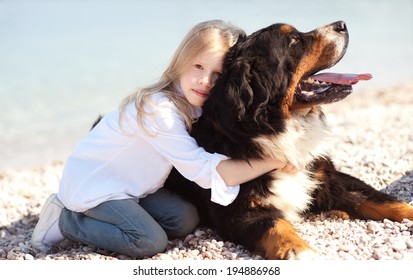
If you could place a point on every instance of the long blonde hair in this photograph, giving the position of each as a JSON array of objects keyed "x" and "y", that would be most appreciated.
[{"x": 201, "y": 37}]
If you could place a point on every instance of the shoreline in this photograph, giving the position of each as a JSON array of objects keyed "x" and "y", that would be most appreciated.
[{"x": 372, "y": 139}]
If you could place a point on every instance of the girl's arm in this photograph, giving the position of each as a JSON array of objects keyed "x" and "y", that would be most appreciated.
[
  {"x": 236, "y": 172},
  {"x": 168, "y": 135}
]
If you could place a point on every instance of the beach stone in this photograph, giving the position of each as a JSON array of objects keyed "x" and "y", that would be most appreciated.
[
  {"x": 28, "y": 257},
  {"x": 399, "y": 245},
  {"x": 409, "y": 244}
]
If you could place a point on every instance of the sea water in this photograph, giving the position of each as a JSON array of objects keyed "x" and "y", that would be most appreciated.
[{"x": 62, "y": 63}]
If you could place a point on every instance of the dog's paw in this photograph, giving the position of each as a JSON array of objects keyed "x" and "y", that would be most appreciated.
[
  {"x": 281, "y": 242},
  {"x": 335, "y": 215},
  {"x": 304, "y": 255}
]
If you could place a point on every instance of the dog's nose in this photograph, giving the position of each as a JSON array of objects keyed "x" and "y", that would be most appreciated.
[{"x": 340, "y": 26}]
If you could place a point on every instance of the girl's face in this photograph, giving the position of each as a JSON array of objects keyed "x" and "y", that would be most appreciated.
[{"x": 201, "y": 76}]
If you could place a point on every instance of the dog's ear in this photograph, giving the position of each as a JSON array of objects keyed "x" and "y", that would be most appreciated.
[
  {"x": 239, "y": 91},
  {"x": 251, "y": 87},
  {"x": 230, "y": 98},
  {"x": 252, "y": 94},
  {"x": 246, "y": 95},
  {"x": 235, "y": 81}
]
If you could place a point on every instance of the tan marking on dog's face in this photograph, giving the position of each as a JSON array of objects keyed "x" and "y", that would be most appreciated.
[
  {"x": 281, "y": 242},
  {"x": 326, "y": 50},
  {"x": 308, "y": 63},
  {"x": 286, "y": 28}
]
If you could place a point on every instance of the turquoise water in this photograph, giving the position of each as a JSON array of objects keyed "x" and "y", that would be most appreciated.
[{"x": 64, "y": 62}]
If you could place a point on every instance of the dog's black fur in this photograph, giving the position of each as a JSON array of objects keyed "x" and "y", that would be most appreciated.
[{"x": 264, "y": 105}]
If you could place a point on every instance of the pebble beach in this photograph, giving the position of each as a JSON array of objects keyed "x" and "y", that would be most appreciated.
[{"x": 371, "y": 138}]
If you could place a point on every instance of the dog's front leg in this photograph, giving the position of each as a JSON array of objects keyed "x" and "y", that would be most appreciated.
[{"x": 281, "y": 242}]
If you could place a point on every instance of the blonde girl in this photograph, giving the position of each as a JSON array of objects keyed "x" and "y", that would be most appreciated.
[{"x": 110, "y": 195}]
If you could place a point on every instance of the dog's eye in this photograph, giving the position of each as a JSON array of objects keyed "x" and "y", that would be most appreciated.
[
  {"x": 198, "y": 66},
  {"x": 293, "y": 40}
]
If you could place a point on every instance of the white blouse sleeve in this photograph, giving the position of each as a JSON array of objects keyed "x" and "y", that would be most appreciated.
[{"x": 167, "y": 133}]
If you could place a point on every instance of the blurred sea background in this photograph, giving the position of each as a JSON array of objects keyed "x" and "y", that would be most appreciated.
[{"x": 62, "y": 63}]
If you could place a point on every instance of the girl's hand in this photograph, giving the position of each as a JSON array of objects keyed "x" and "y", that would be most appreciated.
[{"x": 289, "y": 168}]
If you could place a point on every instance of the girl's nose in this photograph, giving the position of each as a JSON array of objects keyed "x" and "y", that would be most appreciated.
[{"x": 206, "y": 80}]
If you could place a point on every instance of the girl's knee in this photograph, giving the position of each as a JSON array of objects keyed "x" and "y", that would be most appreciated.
[
  {"x": 186, "y": 222},
  {"x": 149, "y": 246},
  {"x": 192, "y": 217},
  {"x": 156, "y": 246}
]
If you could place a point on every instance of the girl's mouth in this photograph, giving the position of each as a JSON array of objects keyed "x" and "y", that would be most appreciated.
[{"x": 200, "y": 92}]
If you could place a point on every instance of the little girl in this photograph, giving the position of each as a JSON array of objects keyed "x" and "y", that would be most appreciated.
[{"x": 110, "y": 195}]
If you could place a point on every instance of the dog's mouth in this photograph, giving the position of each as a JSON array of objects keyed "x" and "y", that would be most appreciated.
[{"x": 327, "y": 87}]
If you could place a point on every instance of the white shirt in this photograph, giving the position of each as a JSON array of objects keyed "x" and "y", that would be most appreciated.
[{"x": 119, "y": 162}]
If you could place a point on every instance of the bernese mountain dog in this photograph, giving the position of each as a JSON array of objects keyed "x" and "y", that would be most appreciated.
[{"x": 267, "y": 103}]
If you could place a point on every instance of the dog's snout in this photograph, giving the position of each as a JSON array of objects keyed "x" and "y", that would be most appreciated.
[
  {"x": 340, "y": 27},
  {"x": 335, "y": 28}
]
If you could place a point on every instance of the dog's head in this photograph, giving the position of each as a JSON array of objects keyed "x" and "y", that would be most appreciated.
[
  {"x": 266, "y": 101},
  {"x": 269, "y": 75}
]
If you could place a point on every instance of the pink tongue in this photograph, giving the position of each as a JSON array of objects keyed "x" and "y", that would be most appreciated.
[{"x": 342, "y": 79}]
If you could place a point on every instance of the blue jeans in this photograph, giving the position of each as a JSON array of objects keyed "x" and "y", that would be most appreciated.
[{"x": 131, "y": 228}]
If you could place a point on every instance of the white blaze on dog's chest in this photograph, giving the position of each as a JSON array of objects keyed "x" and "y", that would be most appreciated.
[
  {"x": 302, "y": 139},
  {"x": 292, "y": 194},
  {"x": 299, "y": 144}
]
